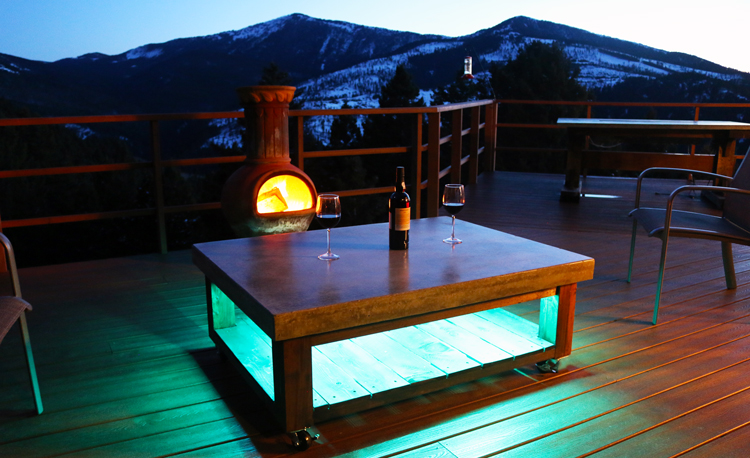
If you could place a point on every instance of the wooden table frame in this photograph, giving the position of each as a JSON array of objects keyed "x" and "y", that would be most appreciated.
[
  {"x": 402, "y": 293},
  {"x": 724, "y": 135}
]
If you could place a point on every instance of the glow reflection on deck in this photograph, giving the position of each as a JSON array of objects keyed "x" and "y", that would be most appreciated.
[{"x": 601, "y": 196}]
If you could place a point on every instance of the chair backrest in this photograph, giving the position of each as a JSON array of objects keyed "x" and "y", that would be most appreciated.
[
  {"x": 737, "y": 206},
  {"x": 9, "y": 284},
  {"x": 11, "y": 306}
]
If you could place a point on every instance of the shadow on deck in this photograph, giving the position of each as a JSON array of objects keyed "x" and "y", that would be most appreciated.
[{"x": 126, "y": 367}]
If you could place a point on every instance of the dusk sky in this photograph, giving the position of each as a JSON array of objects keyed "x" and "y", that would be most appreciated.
[{"x": 49, "y": 30}]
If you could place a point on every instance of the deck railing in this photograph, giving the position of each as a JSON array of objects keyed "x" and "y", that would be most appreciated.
[
  {"x": 418, "y": 181},
  {"x": 424, "y": 156}
]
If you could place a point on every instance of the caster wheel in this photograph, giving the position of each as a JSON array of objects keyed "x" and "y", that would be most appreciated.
[
  {"x": 548, "y": 367},
  {"x": 301, "y": 440}
]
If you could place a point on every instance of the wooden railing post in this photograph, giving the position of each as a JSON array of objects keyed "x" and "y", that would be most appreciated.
[
  {"x": 433, "y": 164},
  {"x": 474, "y": 146},
  {"x": 416, "y": 167},
  {"x": 300, "y": 136},
  {"x": 3, "y": 261},
  {"x": 697, "y": 116},
  {"x": 490, "y": 137},
  {"x": 158, "y": 186},
  {"x": 456, "y": 145}
]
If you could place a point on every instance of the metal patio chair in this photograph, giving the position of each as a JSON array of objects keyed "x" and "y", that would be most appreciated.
[
  {"x": 14, "y": 308},
  {"x": 733, "y": 226}
]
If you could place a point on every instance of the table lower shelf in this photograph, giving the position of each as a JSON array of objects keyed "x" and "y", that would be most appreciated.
[{"x": 370, "y": 366}]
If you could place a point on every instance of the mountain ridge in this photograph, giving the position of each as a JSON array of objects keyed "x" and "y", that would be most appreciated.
[{"x": 331, "y": 62}]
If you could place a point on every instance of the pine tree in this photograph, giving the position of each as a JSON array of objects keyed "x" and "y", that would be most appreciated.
[
  {"x": 344, "y": 131},
  {"x": 393, "y": 130},
  {"x": 272, "y": 75},
  {"x": 400, "y": 91},
  {"x": 540, "y": 71},
  {"x": 463, "y": 90}
]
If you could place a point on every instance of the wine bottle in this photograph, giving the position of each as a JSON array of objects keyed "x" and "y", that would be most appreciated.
[{"x": 399, "y": 215}]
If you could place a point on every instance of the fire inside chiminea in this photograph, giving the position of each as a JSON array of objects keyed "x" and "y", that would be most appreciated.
[
  {"x": 268, "y": 195},
  {"x": 284, "y": 193}
]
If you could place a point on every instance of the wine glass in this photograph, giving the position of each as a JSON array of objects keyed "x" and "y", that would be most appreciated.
[
  {"x": 328, "y": 211},
  {"x": 453, "y": 202}
]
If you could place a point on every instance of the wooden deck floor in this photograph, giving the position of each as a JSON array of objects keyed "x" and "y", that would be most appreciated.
[{"x": 126, "y": 367}]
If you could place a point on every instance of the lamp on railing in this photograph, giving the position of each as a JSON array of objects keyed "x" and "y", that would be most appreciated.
[{"x": 467, "y": 69}]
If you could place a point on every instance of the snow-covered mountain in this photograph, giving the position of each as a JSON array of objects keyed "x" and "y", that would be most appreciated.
[
  {"x": 603, "y": 62},
  {"x": 330, "y": 62}
]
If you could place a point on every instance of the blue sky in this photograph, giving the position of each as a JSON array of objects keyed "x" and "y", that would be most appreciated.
[{"x": 54, "y": 29}]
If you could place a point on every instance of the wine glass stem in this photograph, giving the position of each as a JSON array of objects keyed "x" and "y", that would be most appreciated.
[
  {"x": 453, "y": 227},
  {"x": 328, "y": 238}
]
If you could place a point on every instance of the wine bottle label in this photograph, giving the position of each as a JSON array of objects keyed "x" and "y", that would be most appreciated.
[{"x": 403, "y": 219}]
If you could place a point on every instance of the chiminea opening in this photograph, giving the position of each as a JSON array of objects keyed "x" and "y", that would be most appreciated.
[
  {"x": 268, "y": 195},
  {"x": 283, "y": 193}
]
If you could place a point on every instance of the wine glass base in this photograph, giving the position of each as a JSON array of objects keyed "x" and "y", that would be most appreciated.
[
  {"x": 328, "y": 257},
  {"x": 452, "y": 241}
]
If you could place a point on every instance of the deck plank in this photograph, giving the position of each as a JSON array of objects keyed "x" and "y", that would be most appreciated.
[
  {"x": 731, "y": 443},
  {"x": 514, "y": 324},
  {"x": 661, "y": 404},
  {"x": 372, "y": 374},
  {"x": 498, "y": 336},
  {"x": 470, "y": 344},
  {"x": 689, "y": 430},
  {"x": 408, "y": 365},
  {"x": 332, "y": 383},
  {"x": 433, "y": 350}
]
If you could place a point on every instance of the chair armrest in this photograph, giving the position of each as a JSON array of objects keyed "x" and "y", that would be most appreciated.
[
  {"x": 669, "y": 169},
  {"x": 681, "y": 189}
]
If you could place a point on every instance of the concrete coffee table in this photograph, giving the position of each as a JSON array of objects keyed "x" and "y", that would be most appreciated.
[{"x": 318, "y": 339}]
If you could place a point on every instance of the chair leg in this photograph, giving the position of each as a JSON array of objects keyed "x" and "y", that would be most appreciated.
[
  {"x": 726, "y": 256},
  {"x": 632, "y": 249},
  {"x": 660, "y": 281},
  {"x": 30, "y": 362}
]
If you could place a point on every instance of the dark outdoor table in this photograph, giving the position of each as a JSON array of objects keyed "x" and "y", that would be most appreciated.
[
  {"x": 298, "y": 303},
  {"x": 723, "y": 133}
]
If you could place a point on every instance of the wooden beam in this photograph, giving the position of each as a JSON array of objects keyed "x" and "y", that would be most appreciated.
[
  {"x": 490, "y": 137},
  {"x": 161, "y": 223},
  {"x": 474, "y": 146},
  {"x": 292, "y": 373},
  {"x": 433, "y": 164},
  {"x": 456, "y": 145},
  {"x": 415, "y": 175}
]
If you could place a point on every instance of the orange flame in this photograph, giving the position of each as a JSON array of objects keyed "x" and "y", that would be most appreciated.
[{"x": 284, "y": 193}]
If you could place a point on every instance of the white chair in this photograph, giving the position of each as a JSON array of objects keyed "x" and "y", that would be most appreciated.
[{"x": 14, "y": 308}]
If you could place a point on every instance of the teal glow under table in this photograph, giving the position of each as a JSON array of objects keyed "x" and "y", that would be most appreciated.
[{"x": 318, "y": 339}]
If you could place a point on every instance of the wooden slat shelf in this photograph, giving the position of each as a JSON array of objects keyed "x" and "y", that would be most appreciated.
[
  {"x": 362, "y": 367},
  {"x": 126, "y": 367}
]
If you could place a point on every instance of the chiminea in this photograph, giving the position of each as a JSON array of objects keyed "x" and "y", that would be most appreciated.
[{"x": 268, "y": 195}]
